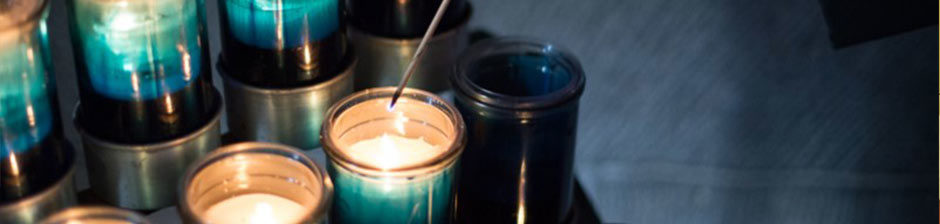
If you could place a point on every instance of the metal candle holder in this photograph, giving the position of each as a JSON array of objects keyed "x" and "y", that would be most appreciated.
[
  {"x": 33, "y": 208},
  {"x": 383, "y": 59},
  {"x": 290, "y": 116},
  {"x": 145, "y": 176}
]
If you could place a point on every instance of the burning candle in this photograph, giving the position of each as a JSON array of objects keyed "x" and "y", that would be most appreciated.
[
  {"x": 392, "y": 165},
  {"x": 142, "y": 69},
  {"x": 255, "y": 183},
  {"x": 138, "y": 49},
  {"x": 255, "y": 208}
]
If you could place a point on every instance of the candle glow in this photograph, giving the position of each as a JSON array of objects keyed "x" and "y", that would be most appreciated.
[
  {"x": 392, "y": 165},
  {"x": 255, "y": 208},
  {"x": 139, "y": 49},
  {"x": 390, "y": 151}
]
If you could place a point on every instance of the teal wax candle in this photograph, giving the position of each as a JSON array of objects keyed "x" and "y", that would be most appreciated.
[
  {"x": 281, "y": 24},
  {"x": 392, "y": 165},
  {"x": 26, "y": 111},
  {"x": 138, "y": 50}
]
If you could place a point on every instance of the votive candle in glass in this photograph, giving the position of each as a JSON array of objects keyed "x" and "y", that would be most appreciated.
[
  {"x": 33, "y": 155},
  {"x": 253, "y": 182},
  {"x": 392, "y": 165},
  {"x": 142, "y": 69},
  {"x": 281, "y": 43}
]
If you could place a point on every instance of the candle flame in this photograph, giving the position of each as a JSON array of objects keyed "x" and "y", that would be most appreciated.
[{"x": 263, "y": 213}]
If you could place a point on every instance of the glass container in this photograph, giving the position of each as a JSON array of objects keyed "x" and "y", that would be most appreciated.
[
  {"x": 519, "y": 99},
  {"x": 253, "y": 182},
  {"x": 33, "y": 155},
  {"x": 392, "y": 165},
  {"x": 143, "y": 71}
]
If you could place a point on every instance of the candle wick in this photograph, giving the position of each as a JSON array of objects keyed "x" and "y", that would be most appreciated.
[{"x": 418, "y": 52}]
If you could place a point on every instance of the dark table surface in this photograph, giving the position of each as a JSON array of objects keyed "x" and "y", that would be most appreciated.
[{"x": 721, "y": 111}]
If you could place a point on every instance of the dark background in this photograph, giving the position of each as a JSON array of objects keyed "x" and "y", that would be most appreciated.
[{"x": 719, "y": 111}]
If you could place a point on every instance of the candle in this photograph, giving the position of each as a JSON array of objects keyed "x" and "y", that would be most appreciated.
[
  {"x": 32, "y": 158},
  {"x": 255, "y": 182},
  {"x": 392, "y": 165},
  {"x": 138, "y": 50},
  {"x": 390, "y": 151},
  {"x": 26, "y": 114},
  {"x": 255, "y": 208},
  {"x": 281, "y": 43},
  {"x": 142, "y": 69}
]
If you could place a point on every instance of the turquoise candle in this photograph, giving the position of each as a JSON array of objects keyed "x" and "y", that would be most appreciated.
[
  {"x": 138, "y": 50},
  {"x": 281, "y": 24},
  {"x": 26, "y": 111},
  {"x": 392, "y": 165}
]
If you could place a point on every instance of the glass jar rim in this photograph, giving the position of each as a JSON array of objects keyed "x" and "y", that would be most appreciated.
[
  {"x": 319, "y": 210},
  {"x": 464, "y": 85},
  {"x": 435, "y": 163}
]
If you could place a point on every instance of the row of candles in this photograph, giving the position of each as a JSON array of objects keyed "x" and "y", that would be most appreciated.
[{"x": 145, "y": 78}]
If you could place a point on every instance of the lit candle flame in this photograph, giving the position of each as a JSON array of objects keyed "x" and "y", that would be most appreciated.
[{"x": 263, "y": 213}]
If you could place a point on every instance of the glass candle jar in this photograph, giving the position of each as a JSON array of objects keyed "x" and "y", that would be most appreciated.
[
  {"x": 142, "y": 69},
  {"x": 281, "y": 43},
  {"x": 520, "y": 99},
  {"x": 253, "y": 182},
  {"x": 32, "y": 153},
  {"x": 392, "y": 165},
  {"x": 95, "y": 215}
]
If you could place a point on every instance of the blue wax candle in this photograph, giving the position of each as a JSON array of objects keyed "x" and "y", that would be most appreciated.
[
  {"x": 26, "y": 113},
  {"x": 392, "y": 165},
  {"x": 281, "y": 24},
  {"x": 384, "y": 199},
  {"x": 138, "y": 50}
]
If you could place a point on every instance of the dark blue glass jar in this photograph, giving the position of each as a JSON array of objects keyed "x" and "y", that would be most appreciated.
[{"x": 519, "y": 100}]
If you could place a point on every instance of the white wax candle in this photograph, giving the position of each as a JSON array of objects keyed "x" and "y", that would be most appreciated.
[
  {"x": 255, "y": 208},
  {"x": 391, "y": 151}
]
